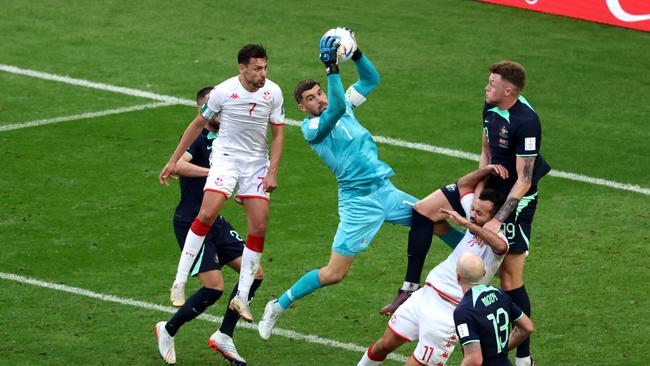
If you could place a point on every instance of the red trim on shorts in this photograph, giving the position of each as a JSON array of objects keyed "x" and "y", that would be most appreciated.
[
  {"x": 251, "y": 196},
  {"x": 416, "y": 359},
  {"x": 255, "y": 243},
  {"x": 373, "y": 356},
  {"x": 217, "y": 191},
  {"x": 398, "y": 335},
  {"x": 465, "y": 194},
  {"x": 200, "y": 228},
  {"x": 238, "y": 198},
  {"x": 444, "y": 295},
  {"x": 277, "y": 123}
]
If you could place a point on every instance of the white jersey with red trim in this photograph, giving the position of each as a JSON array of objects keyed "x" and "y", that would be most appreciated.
[
  {"x": 443, "y": 276},
  {"x": 244, "y": 116}
]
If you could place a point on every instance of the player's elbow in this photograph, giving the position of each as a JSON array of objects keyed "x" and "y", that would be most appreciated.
[
  {"x": 374, "y": 80},
  {"x": 529, "y": 327},
  {"x": 501, "y": 248},
  {"x": 526, "y": 325},
  {"x": 474, "y": 359}
]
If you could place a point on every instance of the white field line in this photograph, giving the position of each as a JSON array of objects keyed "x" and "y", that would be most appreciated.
[
  {"x": 108, "y": 112},
  {"x": 89, "y": 84},
  {"x": 211, "y": 318},
  {"x": 380, "y": 139}
]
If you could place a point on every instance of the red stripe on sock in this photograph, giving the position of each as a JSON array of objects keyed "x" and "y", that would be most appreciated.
[
  {"x": 199, "y": 228},
  {"x": 373, "y": 356},
  {"x": 255, "y": 243}
]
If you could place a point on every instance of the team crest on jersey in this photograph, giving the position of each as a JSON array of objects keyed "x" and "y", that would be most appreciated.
[
  {"x": 503, "y": 143},
  {"x": 218, "y": 181},
  {"x": 266, "y": 95},
  {"x": 504, "y": 132}
]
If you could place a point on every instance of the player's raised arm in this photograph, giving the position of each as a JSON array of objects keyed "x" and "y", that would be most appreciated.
[
  {"x": 368, "y": 78},
  {"x": 495, "y": 241},
  {"x": 468, "y": 182},
  {"x": 335, "y": 93}
]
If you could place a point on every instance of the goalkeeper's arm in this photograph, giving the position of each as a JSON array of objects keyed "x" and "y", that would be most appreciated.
[{"x": 368, "y": 79}]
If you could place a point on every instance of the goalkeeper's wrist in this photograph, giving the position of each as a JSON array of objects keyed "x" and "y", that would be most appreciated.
[
  {"x": 331, "y": 69},
  {"x": 357, "y": 54}
]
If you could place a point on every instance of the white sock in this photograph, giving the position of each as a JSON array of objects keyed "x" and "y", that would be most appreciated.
[
  {"x": 524, "y": 361},
  {"x": 366, "y": 361},
  {"x": 191, "y": 248},
  {"x": 250, "y": 261}
]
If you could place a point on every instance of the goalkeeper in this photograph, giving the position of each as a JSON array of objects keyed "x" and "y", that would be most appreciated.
[{"x": 367, "y": 198}]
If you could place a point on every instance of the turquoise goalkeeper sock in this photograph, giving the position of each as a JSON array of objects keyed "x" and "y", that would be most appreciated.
[{"x": 305, "y": 286}]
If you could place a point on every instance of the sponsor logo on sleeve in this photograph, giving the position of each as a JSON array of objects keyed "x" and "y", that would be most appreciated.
[
  {"x": 529, "y": 143},
  {"x": 463, "y": 331}
]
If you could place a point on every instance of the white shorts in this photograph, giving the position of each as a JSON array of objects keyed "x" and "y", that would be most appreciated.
[
  {"x": 229, "y": 174},
  {"x": 426, "y": 317}
]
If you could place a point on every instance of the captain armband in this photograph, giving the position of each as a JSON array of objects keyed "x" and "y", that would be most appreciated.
[
  {"x": 208, "y": 113},
  {"x": 354, "y": 97}
]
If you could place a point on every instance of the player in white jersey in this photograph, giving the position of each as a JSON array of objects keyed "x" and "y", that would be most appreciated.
[
  {"x": 246, "y": 104},
  {"x": 427, "y": 316}
]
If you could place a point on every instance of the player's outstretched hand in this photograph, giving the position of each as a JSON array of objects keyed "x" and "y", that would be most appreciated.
[
  {"x": 499, "y": 170},
  {"x": 328, "y": 50},
  {"x": 455, "y": 216},
  {"x": 168, "y": 171}
]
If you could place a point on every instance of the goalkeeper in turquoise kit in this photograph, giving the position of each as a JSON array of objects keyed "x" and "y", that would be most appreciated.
[{"x": 367, "y": 198}]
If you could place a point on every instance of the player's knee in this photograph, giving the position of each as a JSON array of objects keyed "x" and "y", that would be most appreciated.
[
  {"x": 257, "y": 228},
  {"x": 418, "y": 206},
  {"x": 441, "y": 228},
  {"x": 213, "y": 282},
  {"x": 510, "y": 280},
  {"x": 208, "y": 215},
  {"x": 330, "y": 277},
  {"x": 380, "y": 349}
]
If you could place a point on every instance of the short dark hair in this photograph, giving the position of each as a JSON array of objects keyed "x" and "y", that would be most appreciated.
[
  {"x": 202, "y": 93},
  {"x": 251, "y": 51},
  {"x": 511, "y": 71},
  {"x": 494, "y": 196},
  {"x": 302, "y": 87}
]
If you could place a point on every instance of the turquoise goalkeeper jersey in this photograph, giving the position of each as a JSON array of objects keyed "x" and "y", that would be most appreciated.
[{"x": 343, "y": 144}]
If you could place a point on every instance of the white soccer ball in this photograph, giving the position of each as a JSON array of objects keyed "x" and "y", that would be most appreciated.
[{"x": 348, "y": 44}]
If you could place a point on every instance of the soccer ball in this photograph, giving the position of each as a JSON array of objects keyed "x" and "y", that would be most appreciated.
[{"x": 348, "y": 44}]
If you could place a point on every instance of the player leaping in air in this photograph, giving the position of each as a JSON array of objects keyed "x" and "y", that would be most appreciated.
[
  {"x": 367, "y": 198},
  {"x": 246, "y": 104}
]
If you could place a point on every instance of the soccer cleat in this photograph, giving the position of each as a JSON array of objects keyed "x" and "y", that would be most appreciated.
[
  {"x": 272, "y": 312},
  {"x": 240, "y": 306},
  {"x": 165, "y": 343},
  {"x": 177, "y": 294},
  {"x": 223, "y": 344},
  {"x": 402, "y": 295}
]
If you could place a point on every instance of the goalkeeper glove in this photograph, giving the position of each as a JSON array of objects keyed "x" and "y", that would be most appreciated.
[
  {"x": 357, "y": 53},
  {"x": 328, "y": 54}
]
